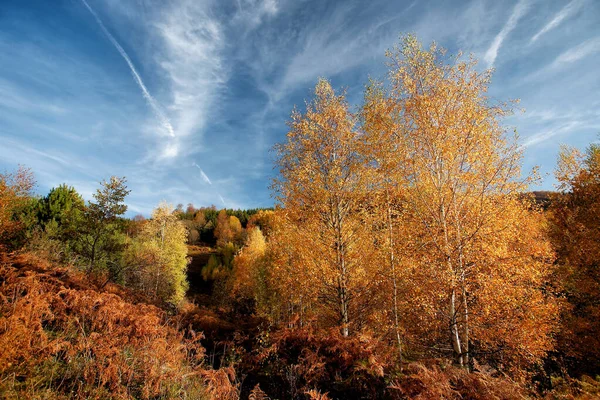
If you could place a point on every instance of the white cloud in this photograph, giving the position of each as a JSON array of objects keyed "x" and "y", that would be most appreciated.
[
  {"x": 192, "y": 42},
  {"x": 151, "y": 101},
  {"x": 334, "y": 46},
  {"x": 518, "y": 11},
  {"x": 548, "y": 134},
  {"x": 252, "y": 12},
  {"x": 563, "y": 14},
  {"x": 578, "y": 52}
]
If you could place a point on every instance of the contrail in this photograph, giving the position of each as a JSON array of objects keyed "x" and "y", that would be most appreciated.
[
  {"x": 204, "y": 176},
  {"x": 207, "y": 180},
  {"x": 157, "y": 111}
]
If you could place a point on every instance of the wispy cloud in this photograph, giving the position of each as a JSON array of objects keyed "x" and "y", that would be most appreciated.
[
  {"x": 252, "y": 12},
  {"x": 192, "y": 41},
  {"x": 569, "y": 56},
  {"x": 328, "y": 48},
  {"x": 578, "y": 52},
  {"x": 226, "y": 74},
  {"x": 17, "y": 99},
  {"x": 518, "y": 11},
  {"x": 151, "y": 101},
  {"x": 563, "y": 14},
  {"x": 548, "y": 134}
]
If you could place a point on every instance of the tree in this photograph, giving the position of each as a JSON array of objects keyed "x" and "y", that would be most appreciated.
[
  {"x": 228, "y": 229},
  {"x": 101, "y": 239},
  {"x": 575, "y": 222},
  {"x": 157, "y": 257},
  {"x": 461, "y": 183},
  {"x": 223, "y": 232},
  {"x": 247, "y": 265},
  {"x": 59, "y": 204},
  {"x": 263, "y": 219},
  {"x": 323, "y": 186},
  {"x": 386, "y": 155},
  {"x": 15, "y": 192},
  {"x": 54, "y": 223}
]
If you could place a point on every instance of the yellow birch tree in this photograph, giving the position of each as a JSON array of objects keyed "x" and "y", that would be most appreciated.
[{"x": 323, "y": 186}]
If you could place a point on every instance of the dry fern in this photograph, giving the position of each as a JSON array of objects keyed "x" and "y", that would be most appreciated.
[
  {"x": 314, "y": 394},
  {"x": 258, "y": 394}
]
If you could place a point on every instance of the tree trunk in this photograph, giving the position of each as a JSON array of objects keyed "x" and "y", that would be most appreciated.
[
  {"x": 455, "y": 336},
  {"x": 393, "y": 268},
  {"x": 93, "y": 254},
  {"x": 344, "y": 310},
  {"x": 342, "y": 268},
  {"x": 465, "y": 327}
]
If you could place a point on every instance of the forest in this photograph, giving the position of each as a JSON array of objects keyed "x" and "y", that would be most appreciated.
[{"x": 406, "y": 257}]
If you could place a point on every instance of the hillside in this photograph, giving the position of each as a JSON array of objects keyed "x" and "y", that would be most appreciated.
[{"x": 64, "y": 336}]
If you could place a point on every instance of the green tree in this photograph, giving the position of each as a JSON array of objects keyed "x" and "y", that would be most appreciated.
[
  {"x": 59, "y": 205},
  {"x": 101, "y": 239}
]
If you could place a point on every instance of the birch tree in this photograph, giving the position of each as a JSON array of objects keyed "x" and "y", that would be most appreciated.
[
  {"x": 157, "y": 257},
  {"x": 461, "y": 181},
  {"x": 323, "y": 184}
]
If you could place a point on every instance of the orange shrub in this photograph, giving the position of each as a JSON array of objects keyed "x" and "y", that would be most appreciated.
[{"x": 62, "y": 337}]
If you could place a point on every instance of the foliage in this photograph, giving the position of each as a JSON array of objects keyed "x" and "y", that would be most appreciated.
[
  {"x": 263, "y": 219},
  {"x": 323, "y": 187},
  {"x": 228, "y": 229},
  {"x": 436, "y": 381},
  {"x": 157, "y": 258},
  {"x": 438, "y": 142},
  {"x": 290, "y": 362},
  {"x": 61, "y": 338},
  {"x": 55, "y": 228},
  {"x": 574, "y": 216},
  {"x": 15, "y": 191},
  {"x": 100, "y": 238},
  {"x": 60, "y": 205}
]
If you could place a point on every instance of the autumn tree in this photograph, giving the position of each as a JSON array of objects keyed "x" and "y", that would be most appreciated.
[
  {"x": 15, "y": 191},
  {"x": 322, "y": 185},
  {"x": 263, "y": 219},
  {"x": 157, "y": 257},
  {"x": 386, "y": 155},
  {"x": 228, "y": 229},
  {"x": 575, "y": 223},
  {"x": 461, "y": 184},
  {"x": 223, "y": 232},
  {"x": 248, "y": 266}
]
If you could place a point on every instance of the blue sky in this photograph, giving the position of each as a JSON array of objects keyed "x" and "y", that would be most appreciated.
[{"x": 186, "y": 97}]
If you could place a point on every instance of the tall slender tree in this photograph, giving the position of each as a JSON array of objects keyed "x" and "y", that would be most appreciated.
[
  {"x": 323, "y": 186},
  {"x": 460, "y": 179}
]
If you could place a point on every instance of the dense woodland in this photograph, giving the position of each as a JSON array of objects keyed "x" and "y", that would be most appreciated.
[{"x": 406, "y": 257}]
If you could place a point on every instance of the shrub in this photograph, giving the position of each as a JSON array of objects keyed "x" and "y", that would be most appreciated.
[{"x": 60, "y": 336}]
